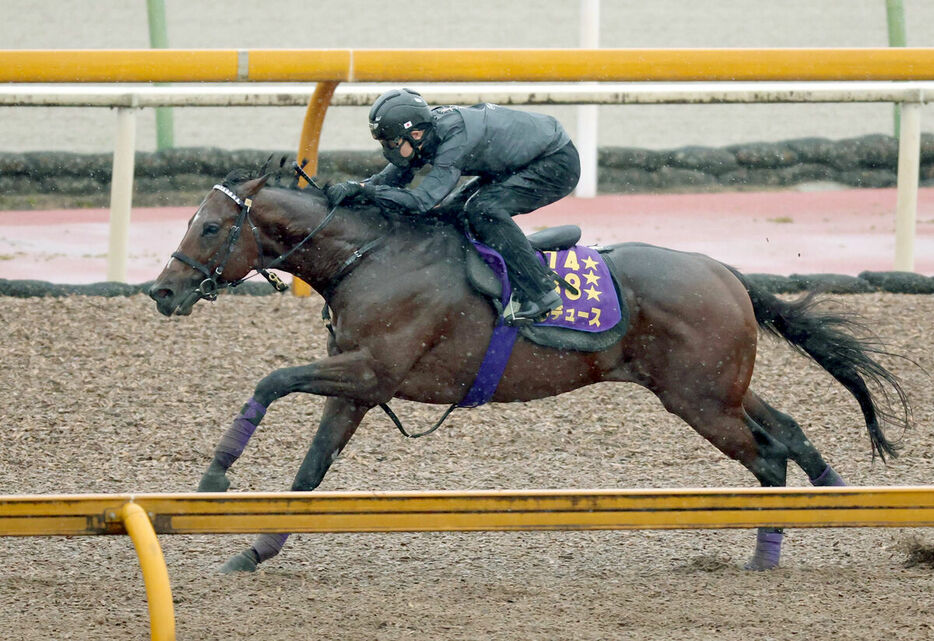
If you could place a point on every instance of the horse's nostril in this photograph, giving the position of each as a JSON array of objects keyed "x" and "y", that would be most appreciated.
[{"x": 159, "y": 293}]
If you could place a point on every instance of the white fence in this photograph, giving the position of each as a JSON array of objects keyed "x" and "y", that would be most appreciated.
[{"x": 127, "y": 99}]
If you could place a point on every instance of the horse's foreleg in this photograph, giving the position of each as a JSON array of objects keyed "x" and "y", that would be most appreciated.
[
  {"x": 351, "y": 374},
  {"x": 231, "y": 447},
  {"x": 338, "y": 423}
]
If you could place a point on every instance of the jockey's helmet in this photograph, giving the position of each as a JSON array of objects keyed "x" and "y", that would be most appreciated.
[{"x": 393, "y": 118}]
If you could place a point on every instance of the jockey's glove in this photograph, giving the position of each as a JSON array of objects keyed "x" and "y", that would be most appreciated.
[{"x": 339, "y": 192}]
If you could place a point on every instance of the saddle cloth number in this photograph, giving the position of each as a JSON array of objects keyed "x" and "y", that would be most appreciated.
[{"x": 595, "y": 306}]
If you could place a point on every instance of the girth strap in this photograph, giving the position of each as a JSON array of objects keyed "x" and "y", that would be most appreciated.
[{"x": 326, "y": 317}]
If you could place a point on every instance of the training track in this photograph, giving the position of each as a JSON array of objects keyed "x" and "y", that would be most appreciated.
[{"x": 104, "y": 395}]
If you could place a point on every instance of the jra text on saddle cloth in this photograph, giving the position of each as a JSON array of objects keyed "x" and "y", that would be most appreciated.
[{"x": 595, "y": 306}]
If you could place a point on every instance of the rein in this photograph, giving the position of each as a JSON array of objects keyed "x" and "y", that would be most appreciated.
[{"x": 210, "y": 286}]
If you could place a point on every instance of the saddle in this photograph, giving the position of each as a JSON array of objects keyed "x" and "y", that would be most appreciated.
[{"x": 489, "y": 283}]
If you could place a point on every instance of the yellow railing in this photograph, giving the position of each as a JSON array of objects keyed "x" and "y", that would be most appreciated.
[
  {"x": 98, "y": 514},
  {"x": 464, "y": 65},
  {"x": 143, "y": 516}
]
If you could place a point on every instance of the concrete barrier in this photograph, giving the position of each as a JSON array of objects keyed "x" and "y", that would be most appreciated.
[{"x": 867, "y": 161}]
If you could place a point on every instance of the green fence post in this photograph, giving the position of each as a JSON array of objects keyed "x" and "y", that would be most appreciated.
[
  {"x": 159, "y": 39},
  {"x": 895, "y": 18}
]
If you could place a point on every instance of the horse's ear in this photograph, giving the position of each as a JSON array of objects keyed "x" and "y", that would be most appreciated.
[{"x": 250, "y": 187}]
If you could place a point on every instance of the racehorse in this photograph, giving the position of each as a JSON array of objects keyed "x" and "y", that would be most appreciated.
[{"x": 406, "y": 323}]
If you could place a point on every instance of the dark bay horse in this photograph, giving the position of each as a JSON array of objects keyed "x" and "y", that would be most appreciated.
[{"x": 407, "y": 324}]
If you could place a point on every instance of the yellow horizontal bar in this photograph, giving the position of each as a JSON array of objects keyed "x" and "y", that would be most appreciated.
[
  {"x": 478, "y": 510},
  {"x": 465, "y": 65},
  {"x": 525, "y": 521},
  {"x": 299, "y": 65},
  {"x": 134, "y": 65},
  {"x": 46, "y": 525}
]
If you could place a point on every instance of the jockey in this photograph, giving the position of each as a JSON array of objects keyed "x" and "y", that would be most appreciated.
[{"x": 523, "y": 161}]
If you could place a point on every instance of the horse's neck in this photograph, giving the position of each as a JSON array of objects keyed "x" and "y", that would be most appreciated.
[{"x": 291, "y": 216}]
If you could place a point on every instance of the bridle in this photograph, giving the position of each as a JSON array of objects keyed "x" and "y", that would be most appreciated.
[{"x": 210, "y": 286}]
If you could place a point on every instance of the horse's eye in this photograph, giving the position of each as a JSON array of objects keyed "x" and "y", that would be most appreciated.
[{"x": 210, "y": 229}]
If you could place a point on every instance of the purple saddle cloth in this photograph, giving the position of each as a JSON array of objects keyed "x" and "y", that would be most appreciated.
[{"x": 594, "y": 307}]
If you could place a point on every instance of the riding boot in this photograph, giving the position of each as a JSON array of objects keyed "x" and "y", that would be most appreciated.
[
  {"x": 531, "y": 280},
  {"x": 536, "y": 309},
  {"x": 534, "y": 283}
]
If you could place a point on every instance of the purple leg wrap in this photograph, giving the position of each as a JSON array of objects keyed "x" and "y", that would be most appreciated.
[
  {"x": 238, "y": 435},
  {"x": 268, "y": 545},
  {"x": 768, "y": 550},
  {"x": 828, "y": 478}
]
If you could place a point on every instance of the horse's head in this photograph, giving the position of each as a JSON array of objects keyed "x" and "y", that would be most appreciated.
[{"x": 214, "y": 252}]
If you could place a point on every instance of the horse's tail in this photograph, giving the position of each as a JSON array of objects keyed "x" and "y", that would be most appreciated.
[{"x": 830, "y": 340}]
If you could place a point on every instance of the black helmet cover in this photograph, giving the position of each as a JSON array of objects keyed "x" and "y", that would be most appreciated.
[{"x": 394, "y": 115}]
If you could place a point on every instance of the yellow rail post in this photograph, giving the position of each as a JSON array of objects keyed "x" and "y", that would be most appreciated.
[
  {"x": 155, "y": 574},
  {"x": 308, "y": 149}
]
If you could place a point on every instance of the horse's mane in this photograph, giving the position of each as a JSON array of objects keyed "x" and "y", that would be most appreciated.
[
  {"x": 284, "y": 177},
  {"x": 280, "y": 176}
]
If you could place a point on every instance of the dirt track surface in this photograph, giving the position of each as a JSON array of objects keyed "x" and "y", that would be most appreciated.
[{"x": 104, "y": 395}]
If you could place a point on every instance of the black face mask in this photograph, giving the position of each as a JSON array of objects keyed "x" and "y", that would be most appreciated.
[
  {"x": 396, "y": 158},
  {"x": 422, "y": 150},
  {"x": 394, "y": 155}
]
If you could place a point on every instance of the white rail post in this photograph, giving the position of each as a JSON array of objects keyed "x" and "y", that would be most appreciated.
[
  {"x": 587, "y": 114},
  {"x": 121, "y": 193},
  {"x": 909, "y": 163}
]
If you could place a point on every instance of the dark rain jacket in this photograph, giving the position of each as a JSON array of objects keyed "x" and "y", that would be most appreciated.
[{"x": 483, "y": 140}]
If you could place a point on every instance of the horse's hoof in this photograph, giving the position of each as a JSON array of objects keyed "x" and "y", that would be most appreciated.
[
  {"x": 243, "y": 562},
  {"x": 214, "y": 482}
]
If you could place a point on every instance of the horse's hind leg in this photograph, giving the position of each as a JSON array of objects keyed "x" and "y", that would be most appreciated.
[
  {"x": 732, "y": 431},
  {"x": 768, "y": 550},
  {"x": 735, "y": 433},
  {"x": 785, "y": 429}
]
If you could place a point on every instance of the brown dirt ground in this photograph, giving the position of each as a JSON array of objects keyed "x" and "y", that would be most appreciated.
[{"x": 104, "y": 395}]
